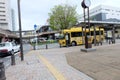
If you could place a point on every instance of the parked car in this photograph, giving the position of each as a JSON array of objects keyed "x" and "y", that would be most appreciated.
[
  {"x": 33, "y": 40},
  {"x": 8, "y": 48},
  {"x": 42, "y": 40}
]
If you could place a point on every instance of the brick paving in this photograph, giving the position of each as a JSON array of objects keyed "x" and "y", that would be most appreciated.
[
  {"x": 32, "y": 68},
  {"x": 102, "y": 64}
]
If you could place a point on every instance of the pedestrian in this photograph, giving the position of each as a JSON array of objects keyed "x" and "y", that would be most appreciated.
[{"x": 67, "y": 39}]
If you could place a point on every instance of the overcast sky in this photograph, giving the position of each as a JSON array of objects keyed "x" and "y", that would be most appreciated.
[{"x": 36, "y": 11}]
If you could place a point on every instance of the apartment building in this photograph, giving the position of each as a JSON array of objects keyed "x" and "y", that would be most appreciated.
[{"x": 5, "y": 15}]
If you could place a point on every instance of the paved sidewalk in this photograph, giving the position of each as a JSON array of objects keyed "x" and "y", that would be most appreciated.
[
  {"x": 102, "y": 64},
  {"x": 30, "y": 69},
  {"x": 48, "y": 64}
]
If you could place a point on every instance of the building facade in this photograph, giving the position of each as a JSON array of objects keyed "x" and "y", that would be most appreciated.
[
  {"x": 104, "y": 13},
  {"x": 13, "y": 19},
  {"x": 5, "y": 15}
]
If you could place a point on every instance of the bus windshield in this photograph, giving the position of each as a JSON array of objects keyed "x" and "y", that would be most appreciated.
[{"x": 61, "y": 36}]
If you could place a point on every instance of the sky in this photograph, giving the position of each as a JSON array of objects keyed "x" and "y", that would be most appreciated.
[{"x": 36, "y": 11}]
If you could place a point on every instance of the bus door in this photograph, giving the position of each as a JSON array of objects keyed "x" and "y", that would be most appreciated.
[{"x": 67, "y": 38}]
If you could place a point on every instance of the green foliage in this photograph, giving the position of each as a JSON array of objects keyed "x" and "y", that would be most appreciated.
[
  {"x": 63, "y": 17},
  {"x": 43, "y": 43}
]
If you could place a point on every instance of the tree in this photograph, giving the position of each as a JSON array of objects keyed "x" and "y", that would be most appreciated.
[{"x": 62, "y": 17}]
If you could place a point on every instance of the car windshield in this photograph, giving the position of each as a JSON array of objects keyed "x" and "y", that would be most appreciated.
[{"x": 4, "y": 44}]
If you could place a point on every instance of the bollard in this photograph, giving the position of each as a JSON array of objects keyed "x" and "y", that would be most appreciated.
[
  {"x": 2, "y": 71},
  {"x": 100, "y": 42},
  {"x": 12, "y": 59},
  {"x": 46, "y": 46},
  {"x": 34, "y": 48},
  {"x": 60, "y": 45},
  {"x": 109, "y": 41}
]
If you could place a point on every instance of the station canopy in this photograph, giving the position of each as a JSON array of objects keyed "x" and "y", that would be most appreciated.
[{"x": 7, "y": 33}]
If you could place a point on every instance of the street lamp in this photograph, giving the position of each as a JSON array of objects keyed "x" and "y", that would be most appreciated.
[{"x": 20, "y": 28}]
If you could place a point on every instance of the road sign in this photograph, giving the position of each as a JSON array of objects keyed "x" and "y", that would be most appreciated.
[{"x": 35, "y": 26}]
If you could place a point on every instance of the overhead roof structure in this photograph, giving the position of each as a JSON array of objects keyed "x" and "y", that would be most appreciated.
[
  {"x": 7, "y": 33},
  {"x": 101, "y": 23},
  {"x": 40, "y": 34}
]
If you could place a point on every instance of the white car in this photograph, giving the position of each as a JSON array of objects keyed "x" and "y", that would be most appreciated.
[{"x": 8, "y": 48}]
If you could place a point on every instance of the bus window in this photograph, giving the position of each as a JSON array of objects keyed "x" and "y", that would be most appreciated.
[
  {"x": 101, "y": 32},
  {"x": 76, "y": 34},
  {"x": 83, "y": 33},
  {"x": 87, "y": 33},
  {"x": 61, "y": 36},
  {"x": 97, "y": 32},
  {"x": 92, "y": 33}
]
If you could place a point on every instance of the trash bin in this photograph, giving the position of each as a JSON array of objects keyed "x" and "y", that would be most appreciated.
[{"x": 2, "y": 71}]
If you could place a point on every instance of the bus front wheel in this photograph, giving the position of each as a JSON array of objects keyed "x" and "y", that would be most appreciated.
[{"x": 74, "y": 43}]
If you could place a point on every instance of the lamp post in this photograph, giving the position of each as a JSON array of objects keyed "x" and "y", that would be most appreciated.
[{"x": 20, "y": 28}]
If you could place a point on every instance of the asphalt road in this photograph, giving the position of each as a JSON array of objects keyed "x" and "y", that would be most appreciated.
[
  {"x": 7, "y": 60},
  {"x": 28, "y": 47}
]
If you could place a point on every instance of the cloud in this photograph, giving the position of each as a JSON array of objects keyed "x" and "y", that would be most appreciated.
[{"x": 36, "y": 11}]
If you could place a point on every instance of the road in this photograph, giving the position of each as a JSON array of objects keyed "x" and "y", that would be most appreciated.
[
  {"x": 28, "y": 47},
  {"x": 7, "y": 60}
]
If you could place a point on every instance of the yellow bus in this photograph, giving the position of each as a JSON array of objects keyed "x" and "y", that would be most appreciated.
[{"x": 76, "y": 36}]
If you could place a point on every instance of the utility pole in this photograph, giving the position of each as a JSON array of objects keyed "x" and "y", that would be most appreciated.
[{"x": 20, "y": 28}]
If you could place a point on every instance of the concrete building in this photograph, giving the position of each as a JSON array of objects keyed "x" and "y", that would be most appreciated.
[
  {"x": 13, "y": 19},
  {"x": 107, "y": 16},
  {"x": 5, "y": 15},
  {"x": 104, "y": 13}
]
